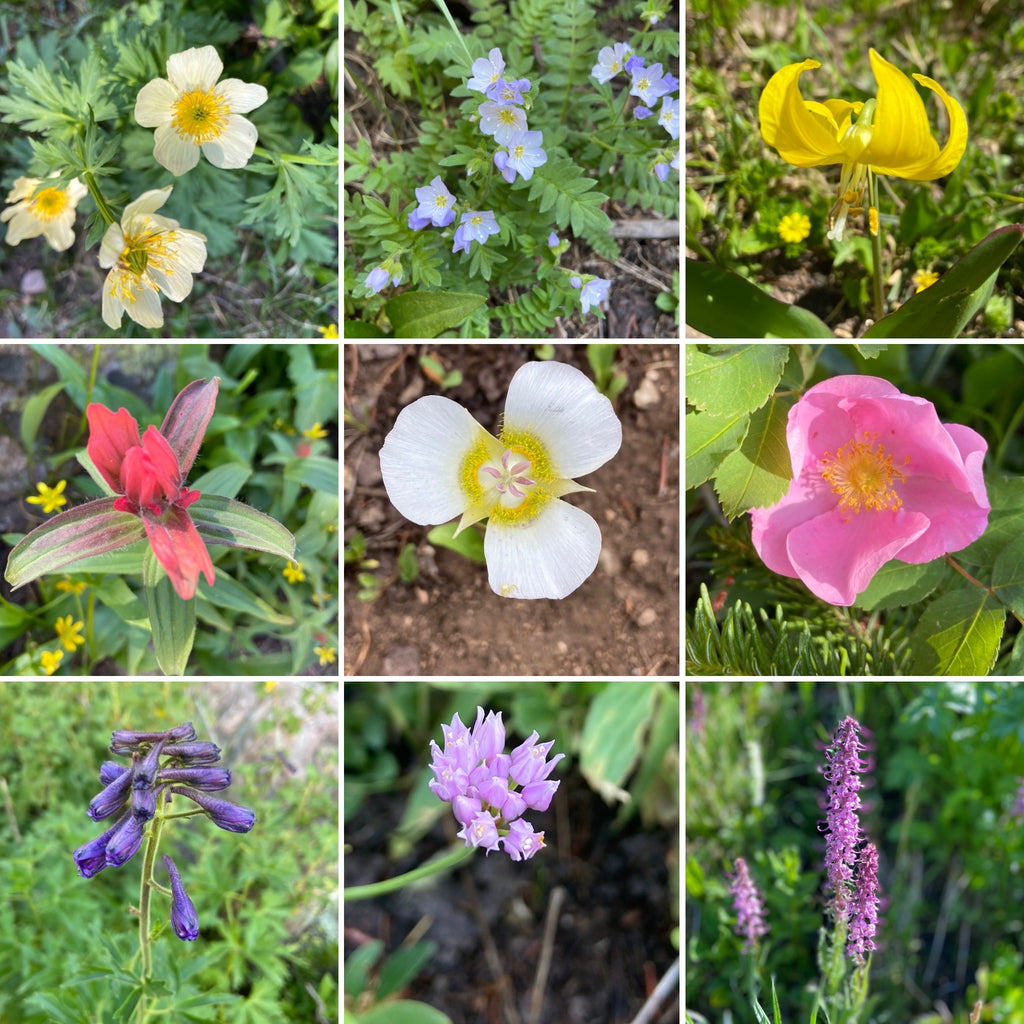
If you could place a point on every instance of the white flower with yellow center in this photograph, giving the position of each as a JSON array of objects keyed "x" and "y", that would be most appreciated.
[
  {"x": 147, "y": 254},
  {"x": 439, "y": 463},
  {"x": 50, "y": 214},
  {"x": 191, "y": 110}
]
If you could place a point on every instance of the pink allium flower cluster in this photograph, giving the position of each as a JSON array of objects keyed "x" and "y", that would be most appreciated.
[
  {"x": 876, "y": 477},
  {"x": 482, "y": 784},
  {"x": 864, "y": 914},
  {"x": 749, "y": 906}
]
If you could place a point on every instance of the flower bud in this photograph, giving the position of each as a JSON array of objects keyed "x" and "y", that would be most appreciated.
[
  {"x": 184, "y": 919},
  {"x": 224, "y": 814}
]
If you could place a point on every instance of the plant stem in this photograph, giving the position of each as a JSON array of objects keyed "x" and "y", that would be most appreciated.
[
  {"x": 97, "y": 198},
  {"x": 876, "y": 249},
  {"x": 145, "y": 892},
  {"x": 452, "y": 859}
]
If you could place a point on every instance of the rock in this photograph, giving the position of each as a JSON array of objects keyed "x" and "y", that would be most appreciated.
[
  {"x": 640, "y": 559},
  {"x": 648, "y": 617},
  {"x": 647, "y": 393},
  {"x": 402, "y": 660}
]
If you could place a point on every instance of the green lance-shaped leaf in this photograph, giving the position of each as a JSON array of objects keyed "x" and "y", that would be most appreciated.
[
  {"x": 90, "y": 529},
  {"x": 721, "y": 304},
  {"x": 172, "y": 620},
  {"x": 234, "y": 524},
  {"x": 427, "y": 314},
  {"x": 944, "y": 309}
]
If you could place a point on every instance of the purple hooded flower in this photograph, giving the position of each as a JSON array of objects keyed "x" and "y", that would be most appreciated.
[
  {"x": 124, "y": 741},
  {"x": 842, "y": 773},
  {"x": 91, "y": 857},
  {"x": 209, "y": 780},
  {"x": 864, "y": 911},
  {"x": 184, "y": 919},
  {"x": 201, "y": 752},
  {"x": 749, "y": 906},
  {"x": 113, "y": 798},
  {"x": 224, "y": 814},
  {"x": 126, "y": 840}
]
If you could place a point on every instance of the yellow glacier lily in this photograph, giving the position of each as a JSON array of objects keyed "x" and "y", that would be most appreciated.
[{"x": 888, "y": 134}]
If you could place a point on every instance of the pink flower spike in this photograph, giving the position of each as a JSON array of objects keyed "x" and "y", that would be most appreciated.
[{"x": 876, "y": 476}]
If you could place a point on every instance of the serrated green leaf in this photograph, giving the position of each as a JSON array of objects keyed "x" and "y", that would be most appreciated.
[
  {"x": 899, "y": 584},
  {"x": 733, "y": 379},
  {"x": 958, "y": 634},
  {"x": 759, "y": 473},
  {"x": 709, "y": 439},
  {"x": 427, "y": 314},
  {"x": 1008, "y": 573}
]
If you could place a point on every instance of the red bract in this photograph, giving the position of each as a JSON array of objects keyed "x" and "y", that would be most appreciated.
[{"x": 149, "y": 474}]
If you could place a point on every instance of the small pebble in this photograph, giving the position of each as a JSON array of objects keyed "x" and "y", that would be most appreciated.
[
  {"x": 646, "y": 393},
  {"x": 648, "y": 617},
  {"x": 640, "y": 559}
]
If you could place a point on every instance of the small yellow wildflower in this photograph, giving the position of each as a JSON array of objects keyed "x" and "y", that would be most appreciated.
[
  {"x": 50, "y": 660},
  {"x": 315, "y": 431},
  {"x": 794, "y": 227},
  {"x": 71, "y": 586},
  {"x": 293, "y": 573},
  {"x": 330, "y": 331},
  {"x": 67, "y": 632},
  {"x": 326, "y": 655},
  {"x": 924, "y": 279},
  {"x": 872, "y": 220},
  {"x": 269, "y": 684},
  {"x": 51, "y": 498}
]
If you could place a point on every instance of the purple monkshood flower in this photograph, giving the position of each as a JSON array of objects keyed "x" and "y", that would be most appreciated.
[
  {"x": 610, "y": 61},
  {"x": 437, "y": 205},
  {"x": 482, "y": 783},
  {"x": 184, "y": 919},
  {"x": 842, "y": 773},
  {"x": 864, "y": 912},
  {"x": 224, "y": 814},
  {"x": 749, "y": 907},
  {"x": 501, "y": 120},
  {"x": 476, "y": 226},
  {"x": 592, "y": 293},
  {"x": 91, "y": 858},
  {"x": 486, "y": 71},
  {"x": 650, "y": 83},
  {"x": 502, "y": 91}
]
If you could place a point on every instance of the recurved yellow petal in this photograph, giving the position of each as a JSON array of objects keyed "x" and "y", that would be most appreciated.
[{"x": 805, "y": 134}]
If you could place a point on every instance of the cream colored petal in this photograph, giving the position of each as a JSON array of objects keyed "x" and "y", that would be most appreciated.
[
  {"x": 422, "y": 458},
  {"x": 190, "y": 250},
  {"x": 178, "y": 155},
  {"x": 113, "y": 308},
  {"x": 241, "y": 96},
  {"x": 145, "y": 310},
  {"x": 155, "y": 102},
  {"x": 176, "y": 284},
  {"x": 76, "y": 190},
  {"x": 560, "y": 406},
  {"x": 146, "y": 203},
  {"x": 549, "y": 557},
  {"x": 23, "y": 225},
  {"x": 111, "y": 246},
  {"x": 60, "y": 233},
  {"x": 197, "y": 68},
  {"x": 235, "y": 145},
  {"x": 23, "y": 189}
]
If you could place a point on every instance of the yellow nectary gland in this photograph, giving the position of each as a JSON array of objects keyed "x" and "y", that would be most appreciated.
[
  {"x": 50, "y": 203},
  {"x": 507, "y": 485},
  {"x": 862, "y": 474},
  {"x": 200, "y": 116}
]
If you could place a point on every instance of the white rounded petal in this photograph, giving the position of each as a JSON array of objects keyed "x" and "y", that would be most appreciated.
[
  {"x": 422, "y": 456},
  {"x": 155, "y": 103},
  {"x": 191, "y": 250},
  {"x": 241, "y": 96},
  {"x": 234, "y": 146},
  {"x": 561, "y": 407},
  {"x": 548, "y": 557},
  {"x": 60, "y": 233},
  {"x": 145, "y": 310},
  {"x": 198, "y": 68},
  {"x": 178, "y": 155},
  {"x": 113, "y": 308},
  {"x": 112, "y": 246},
  {"x": 146, "y": 203},
  {"x": 22, "y": 225},
  {"x": 176, "y": 282}
]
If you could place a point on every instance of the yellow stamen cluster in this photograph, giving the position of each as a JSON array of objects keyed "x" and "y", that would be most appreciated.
[
  {"x": 862, "y": 474},
  {"x": 201, "y": 116},
  {"x": 50, "y": 203},
  {"x": 149, "y": 247}
]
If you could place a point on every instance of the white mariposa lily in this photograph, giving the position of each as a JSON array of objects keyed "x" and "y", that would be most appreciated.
[{"x": 438, "y": 463}]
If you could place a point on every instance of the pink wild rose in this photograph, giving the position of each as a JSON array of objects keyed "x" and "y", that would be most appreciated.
[{"x": 876, "y": 477}]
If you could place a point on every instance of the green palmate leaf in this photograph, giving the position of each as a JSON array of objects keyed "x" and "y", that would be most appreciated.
[
  {"x": 613, "y": 735},
  {"x": 172, "y": 620},
  {"x": 733, "y": 378},
  {"x": 709, "y": 439},
  {"x": 898, "y": 584},
  {"x": 722, "y": 304},
  {"x": 760, "y": 471},
  {"x": 229, "y": 522},
  {"x": 958, "y": 634},
  {"x": 427, "y": 314},
  {"x": 88, "y": 530},
  {"x": 944, "y": 309}
]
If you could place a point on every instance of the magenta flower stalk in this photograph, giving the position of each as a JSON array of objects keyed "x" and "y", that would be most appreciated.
[
  {"x": 842, "y": 772},
  {"x": 876, "y": 477},
  {"x": 749, "y": 907},
  {"x": 864, "y": 909}
]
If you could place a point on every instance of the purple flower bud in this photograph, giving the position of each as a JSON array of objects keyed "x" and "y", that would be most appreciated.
[
  {"x": 522, "y": 842},
  {"x": 842, "y": 771},
  {"x": 202, "y": 752},
  {"x": 538, "y": 794},
  {"x": 864, "y": 915},
  {"x": 125, "y": 841},
  {"x": 481, "y": 831},
  {"x": 184, "y": 919},
  {"x": 143, "y": 803},
  {"x": 528, "y": 763},
  {"x": 748, "y": 905},
  {"x": 466, "y": 808},
  {"x": 113, "y": 798},
  {"x": 489, "y": 734},
  {"x": 641, "y": 113},
  {"x": 209, "y": 780},
  {"x": 552, "y": 240},
  {"x": 123, "y": 741},
  {"x": 377, "y": 279},
  {"x": 91, "y": 857},
  {"x": 224, "y": 814},
  {"x": 111, "y": 770},
  {"x": 144, "y": 769}
]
